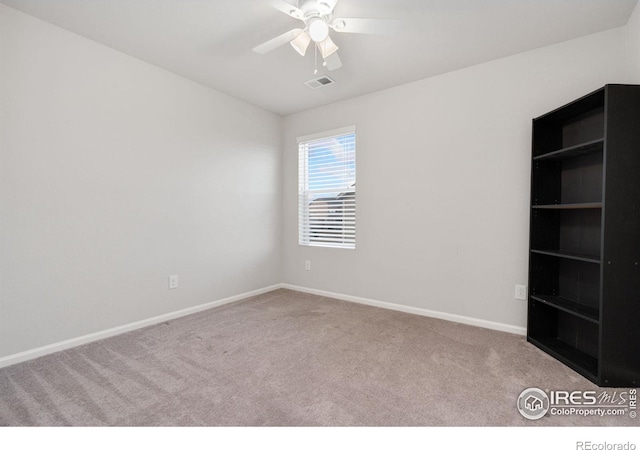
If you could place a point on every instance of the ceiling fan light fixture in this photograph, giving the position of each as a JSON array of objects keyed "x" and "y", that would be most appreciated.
[
  {"x": 327, "y": 47},
  {"x": 318, "y": 30},
  {"x": 301, "y": 43}
]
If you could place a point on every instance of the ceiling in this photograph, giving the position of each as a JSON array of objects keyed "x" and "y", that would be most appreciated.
[{"x": 211, "y": 41}]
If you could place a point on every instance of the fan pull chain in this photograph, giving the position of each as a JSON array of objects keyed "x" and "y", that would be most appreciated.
[{"x": 315, "y": 59}]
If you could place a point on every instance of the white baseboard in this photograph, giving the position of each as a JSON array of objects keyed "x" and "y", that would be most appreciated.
[
  {"x": 87, "y": 338},
  {"x": 74, "y": 342},
  {"x": 414, "y": 310}
]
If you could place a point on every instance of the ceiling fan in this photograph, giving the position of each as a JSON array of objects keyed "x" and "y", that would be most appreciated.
[{"x": 317, "y": 16}]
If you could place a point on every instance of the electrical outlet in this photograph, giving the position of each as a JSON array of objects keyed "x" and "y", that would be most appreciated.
[
  {"x": 521, "y": 292},
  {"x": 173, "y": 282},
  {"x": 307, "y": 265}
]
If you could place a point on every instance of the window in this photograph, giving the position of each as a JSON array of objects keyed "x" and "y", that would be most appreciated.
[{"x": 327, "y": 189}]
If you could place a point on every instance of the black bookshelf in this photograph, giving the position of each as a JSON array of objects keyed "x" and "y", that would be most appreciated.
[
  {"x": 591, "y": 205},
  {"x": 575, "y": 150},
  {"x": 584, "y": 260}
]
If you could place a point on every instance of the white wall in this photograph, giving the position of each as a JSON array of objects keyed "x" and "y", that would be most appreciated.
[
  {"x": 443, "y": 180},
  {"x": 115, "y": 174},
  {"x": 633, "y": 43}
]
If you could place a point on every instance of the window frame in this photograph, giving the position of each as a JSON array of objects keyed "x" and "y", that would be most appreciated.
[{"x": 304, "y": 228}]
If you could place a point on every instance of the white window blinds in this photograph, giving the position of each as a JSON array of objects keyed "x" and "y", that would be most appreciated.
[{"x": 327, "y": 189}]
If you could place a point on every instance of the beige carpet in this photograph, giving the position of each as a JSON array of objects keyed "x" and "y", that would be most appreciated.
[{"x": 286, "y": 358}]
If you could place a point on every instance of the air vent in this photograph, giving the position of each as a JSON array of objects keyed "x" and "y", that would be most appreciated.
[{"x": 317, "y": 83}]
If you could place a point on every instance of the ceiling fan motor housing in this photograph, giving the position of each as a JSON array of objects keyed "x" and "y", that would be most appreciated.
[{"x": 321, "y": 9}]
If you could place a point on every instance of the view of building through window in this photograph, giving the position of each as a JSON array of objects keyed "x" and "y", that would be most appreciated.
[{"x": 327, "y": 191}]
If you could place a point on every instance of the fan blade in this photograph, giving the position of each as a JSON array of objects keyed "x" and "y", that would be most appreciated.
[
  {"x": 287, "y": 8},
  {"x": 366, "y": 26},
  {"x": 333, "y": 61},
  {"x": 277, "y": 41}
]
